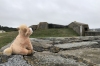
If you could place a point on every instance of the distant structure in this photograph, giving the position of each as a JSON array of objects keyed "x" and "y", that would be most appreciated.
[
  {"x": 2, "y": 31},
  {"x": 92, "y": 33},
  {"x": 96, "y": 29},
  {"x": 42, "y": 25},
  {"x": 34, "y": 27},
  {"x": 78, "y": 27},
  {"x": 45, "y": 25},
  {"x": 50, "y": 25}
]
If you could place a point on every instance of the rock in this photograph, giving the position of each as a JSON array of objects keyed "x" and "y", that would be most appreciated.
[
  {"x": 89, "y": 55},
  {"x": 54, "y": 49},
  {"x": 15, "y": 60},
  {"x": 75, "y": 45},
  {"x": 4, "y": 58},
  {"x": 50, "y": 59},
  {"x": 40, "y": 46},
  {"x": 41, "y": 43},
  {"x": 31, "y": 59},
  {"x": 43, "y": 40},
  {"x": 73, "y": 39}
]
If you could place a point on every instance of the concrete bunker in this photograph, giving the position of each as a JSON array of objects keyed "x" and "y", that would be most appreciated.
[{"x": 78, "y": 27}]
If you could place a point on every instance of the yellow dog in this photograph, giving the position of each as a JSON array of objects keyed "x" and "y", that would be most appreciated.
[{"x": 21, "y": 44}]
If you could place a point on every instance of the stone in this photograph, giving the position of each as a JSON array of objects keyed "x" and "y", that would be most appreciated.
[
  {"x": 31, "y": 59},
  {"x": 15, "y": 60},
  {"x": 76, "y": 44},
  {"x": 89, "y": 55},
  {"x": 4, "y": 58},
  {"x": 42, "y": 43},
  {"x": 50, "y": 59},
  {"x": 40, "y": 46},
  {"x": 54, "y": 49}
]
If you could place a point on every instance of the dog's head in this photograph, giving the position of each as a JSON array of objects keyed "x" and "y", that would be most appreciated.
[{"x": 24, "y": 30}]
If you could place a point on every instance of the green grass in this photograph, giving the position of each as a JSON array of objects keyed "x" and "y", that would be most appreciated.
[
  {"x": 63, "y": 32},
  {"x": 8, "y": 37}
]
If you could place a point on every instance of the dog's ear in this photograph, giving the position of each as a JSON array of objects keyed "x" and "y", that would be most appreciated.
[
  {"x": 24, "y": 29},
  {"x": 27, "y": 32}
]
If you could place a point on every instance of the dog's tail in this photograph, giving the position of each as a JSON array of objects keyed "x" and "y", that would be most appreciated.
[{"x": 7, "y": 51}]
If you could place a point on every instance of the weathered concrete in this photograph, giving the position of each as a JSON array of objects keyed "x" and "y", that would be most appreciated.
[
  {"x": 42, "y": 25},
  {"x": 78, "y": 27}
]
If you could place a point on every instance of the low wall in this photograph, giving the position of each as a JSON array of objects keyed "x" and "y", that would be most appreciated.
[{"x": 92, "y": 33}]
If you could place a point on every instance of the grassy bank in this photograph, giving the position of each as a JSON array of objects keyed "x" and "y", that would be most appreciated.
[
  {"x": 7, "y": 37},
  {"x": 63, "y": 32}
]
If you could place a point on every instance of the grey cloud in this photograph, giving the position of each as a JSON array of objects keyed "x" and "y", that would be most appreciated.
[{"x": 16, "y": 12}]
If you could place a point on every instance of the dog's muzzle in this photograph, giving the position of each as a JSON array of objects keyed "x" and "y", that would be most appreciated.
[{"x": 31, "y": 30}]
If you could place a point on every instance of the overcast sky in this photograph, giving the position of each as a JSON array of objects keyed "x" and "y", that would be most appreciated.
[{"x": 31, "y": 12}]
